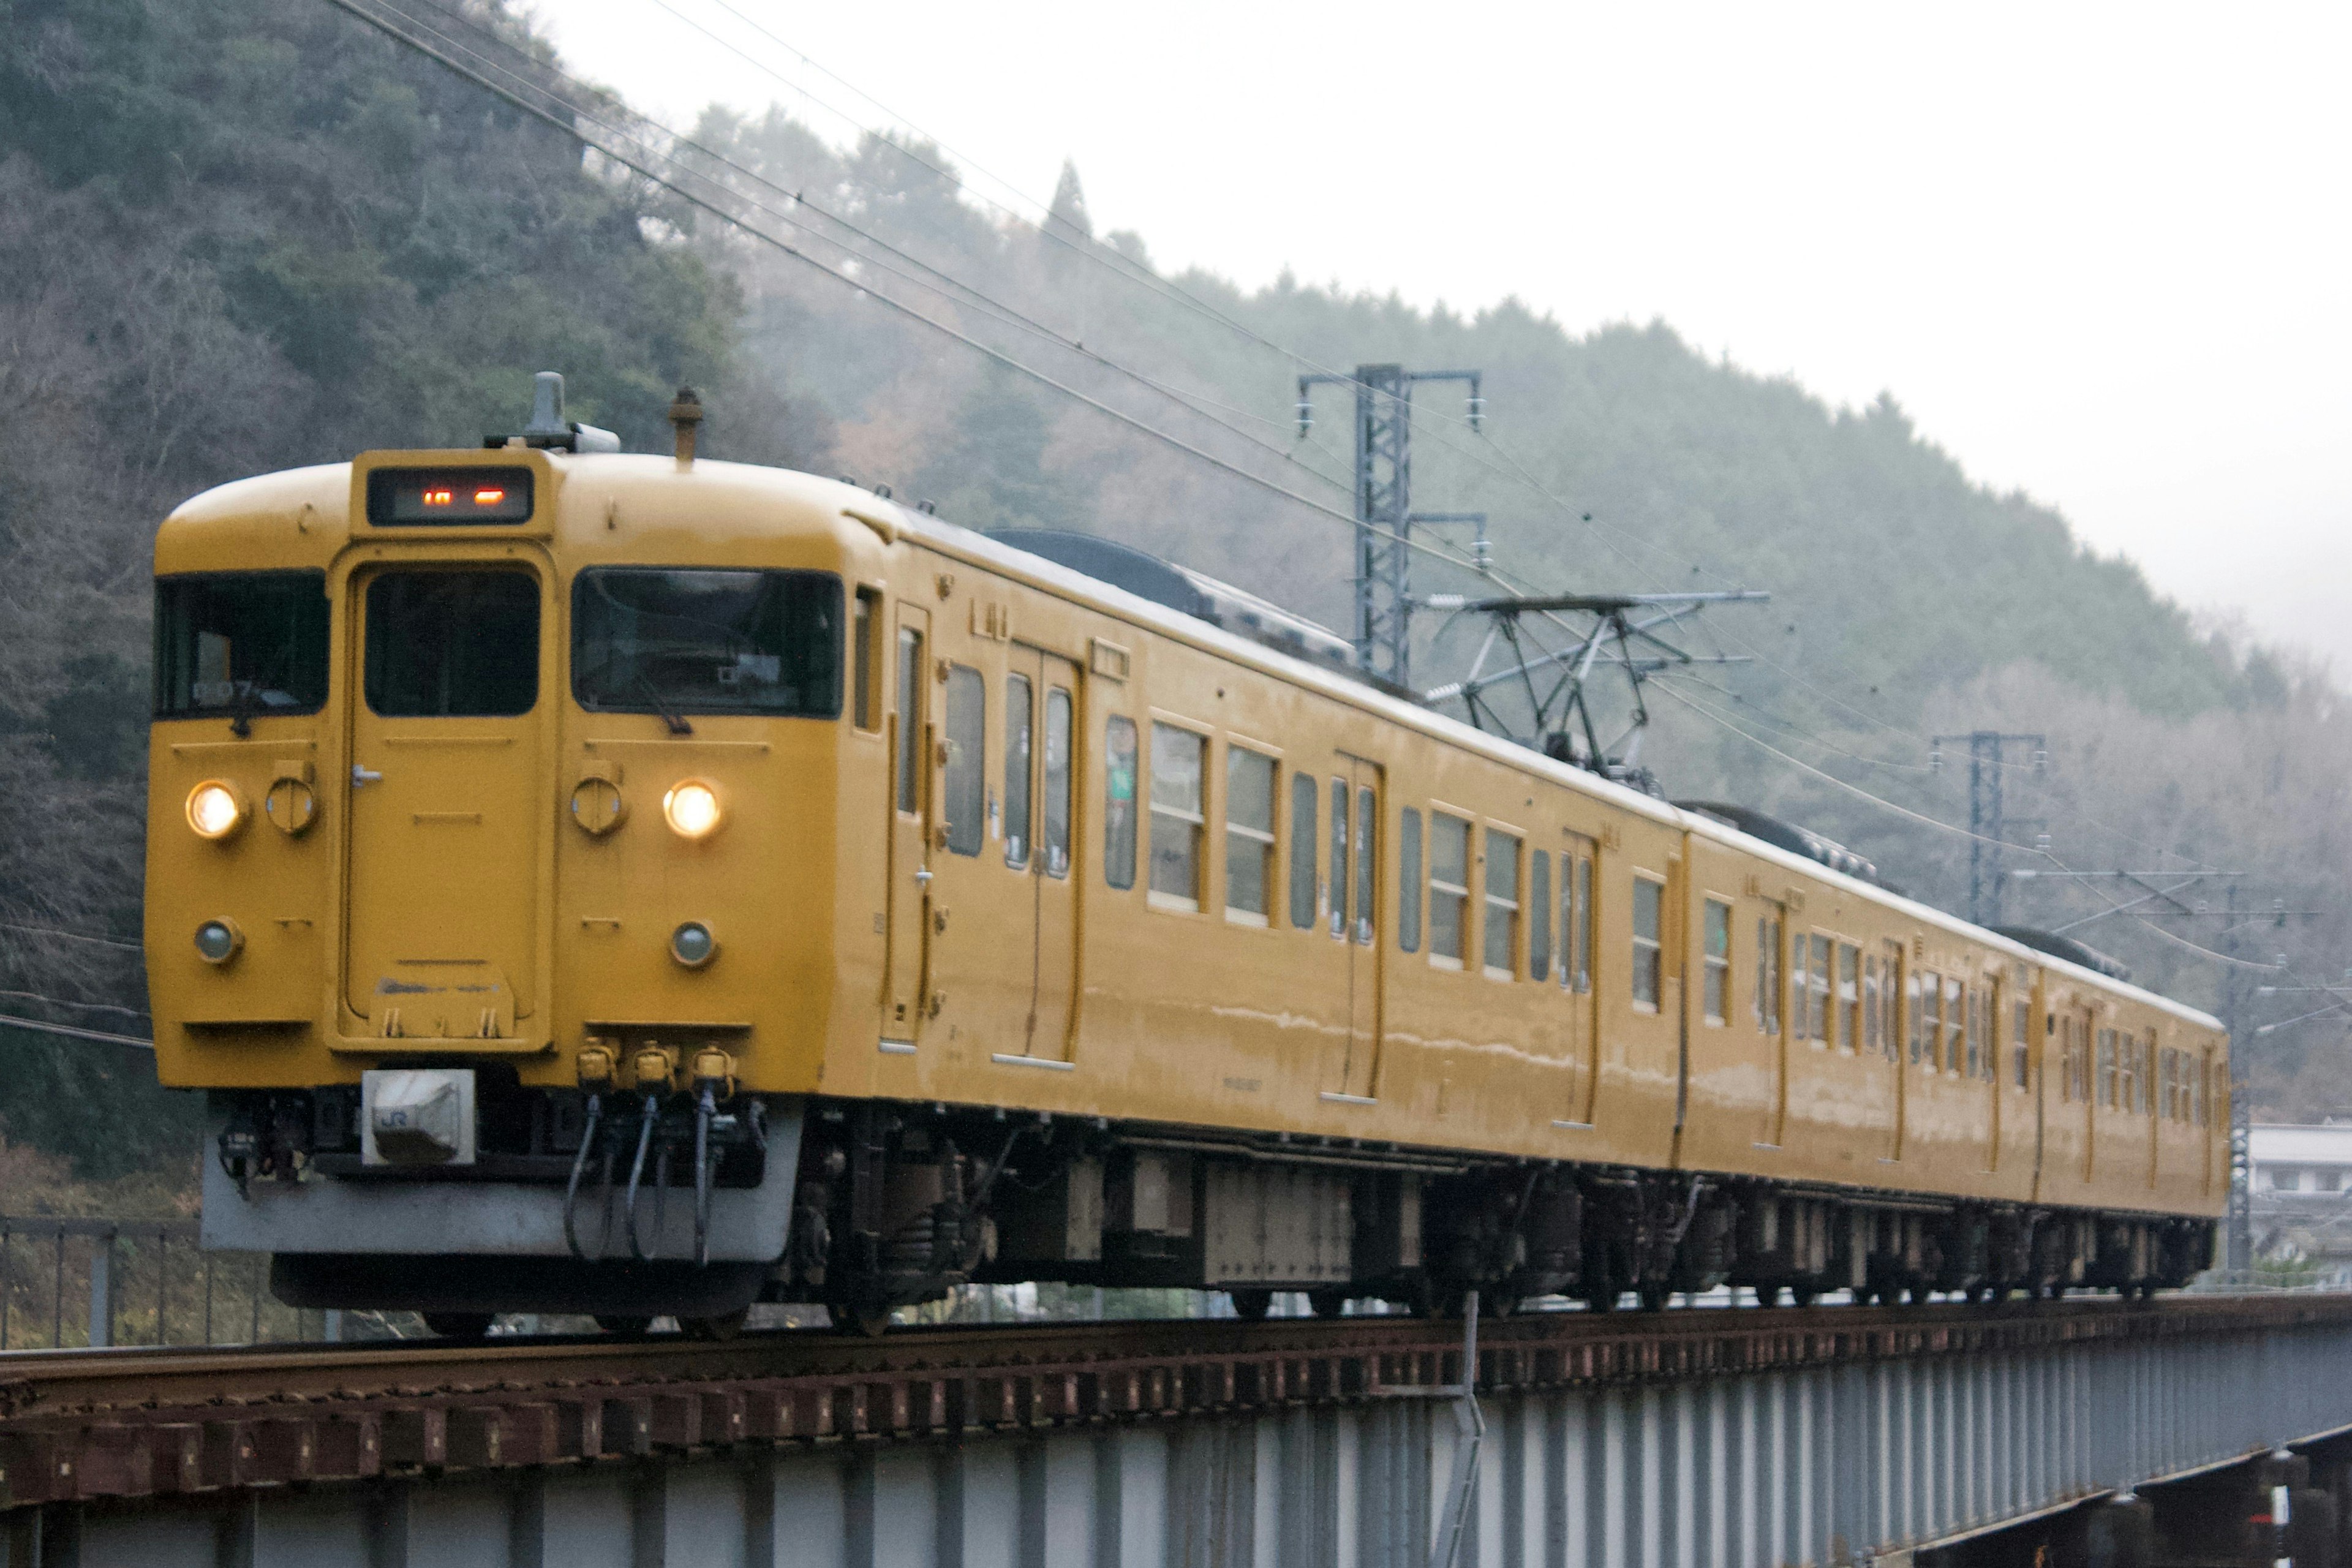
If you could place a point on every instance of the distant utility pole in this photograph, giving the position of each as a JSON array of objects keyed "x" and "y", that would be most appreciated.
[
  {"x": 1985, "y": 818},
  {"x": 1384, "y": 514}
]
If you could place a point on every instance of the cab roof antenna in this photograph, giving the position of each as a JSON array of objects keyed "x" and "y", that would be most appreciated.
[{"x": 548, "y": 426}]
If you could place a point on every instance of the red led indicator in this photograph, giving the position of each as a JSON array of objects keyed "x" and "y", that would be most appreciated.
[
  {"x": 488, "y": 497},
  {"x": 440, "y": 498}
]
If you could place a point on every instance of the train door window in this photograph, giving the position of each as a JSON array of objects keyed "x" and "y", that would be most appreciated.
[
  {"x": 1955, "y": 1022},
  {"x": 1303, "y": 886},
  {"x": 1976, "y": 999},
  {"x": 1579, "y": 925},
  {"x": 1717, "y": 989},
  {"x": 1449, "y": 888},
  {"x": 2107, "y": 1068},
  {"x": 1539, "y": 915},
  {"x": 910, "y": 720},
  {"x": 1118, "y": 801},
  {"x": 2201, "y": 1084},
  {"x": 1890, "y": 1003},
  {"x": 1850, "y": 1009},
  {"x": 1059, "y": 728},
  {"x": 1801, "y": 1000},
  {"x": 1873, "y": 1040},
  {"x": 451, "y": 645},
  {"x": 2147, "y": 1075},
  {"x": 1176, "y": 816},
  {"x": 1649, "y": 946},
  {"x": 1502, "y": 928},
  {"x": 1249, "y": 834},
  {"x": 2165, "y": 1068},
  {"x": 866, "y": 660},
  {"x": 1817, "y": 985},
  {"x": 1367, "y": 869},
  {"x": 1020, "y": 724},
  {"x": 2021, "y": 1023},
  {"x": 1338, "y": 910},
  {"x": 1408, "y": 880},
  {"x": 1927, "y": 1034},
  {"x": 967, "y": 780},
  {"x": 1768, "y": 973}
]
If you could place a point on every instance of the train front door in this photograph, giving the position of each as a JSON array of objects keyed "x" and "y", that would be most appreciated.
[
  {"x": 905, "y": 998},
  {"x": 1353, "y": 810},
  {"x": 448, "y": 832},
  {"x": 1041, "y": 703}
]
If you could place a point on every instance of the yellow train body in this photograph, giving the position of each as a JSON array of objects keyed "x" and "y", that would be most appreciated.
[{"x": 1056, "y": 852}]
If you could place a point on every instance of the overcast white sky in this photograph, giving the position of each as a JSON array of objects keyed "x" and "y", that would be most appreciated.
[{"x": 2099, "y": 252}]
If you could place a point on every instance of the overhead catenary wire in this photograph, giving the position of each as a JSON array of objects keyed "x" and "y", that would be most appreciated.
[
  {"x": 68, "y": 1002},
  {"x": 68, "y": 1031},
  {"x": 63, "y": 935}
]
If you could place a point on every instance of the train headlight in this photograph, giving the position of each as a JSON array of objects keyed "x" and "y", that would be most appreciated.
[
  {"x": 217, "y": 941},
  {"x": 691, "y": 809},
  {"x": 216, "y": 808},
  {"x": 692, "y": 944}
]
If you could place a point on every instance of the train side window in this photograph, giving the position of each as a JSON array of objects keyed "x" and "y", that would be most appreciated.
[
  {"x": 966, "y": 781},
  {"x": 1408, "y": 880},
  {"x": 1873, "y": 1040},
  {"x": 866, "y": 660},
  {"x": 1303, "y": 790},
  {"x": 2021, "y": 1021},
  {"x": 1649, "y": 947},
  {"x": 1849, "y": 984},
  {"x": 1975, "y": 1055},
  {"x": 910, "y": 720},
  {"x": 1955, "y": 1022},
  {"x": 1539, "y": 915},
  {"x": 1817, "y": 984},
  {"x": 1020, "y": 725},
  {"x": 1927, "y": 1033},
  {"x": 1890, "y": 1003},
  {"x": 2165, "y": 1070},
  {"x": 2107, "y": 1068},
  {"x": 1768, "y": 973},
  {"x": 1449, "y": 888},
  {"x": 1502, "y": 916},
  {"x": 1716, "y": 990},
  {"x": 1339, "y": 907},
  {"x": 1249, "y": 834},
  {"x": 1059, "y": 726},
  {"x": 1176, "y": 816},
  {"x": 1118, "y": 801}
]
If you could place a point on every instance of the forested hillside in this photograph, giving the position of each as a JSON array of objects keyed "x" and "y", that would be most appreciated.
[{"x": 238, "y": 234}]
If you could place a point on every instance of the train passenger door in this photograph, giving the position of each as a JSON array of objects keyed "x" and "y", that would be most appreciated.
[
  {"x": 1041, "y": 693},
  {"x": 1353, "y": 805},
  {"x": 441, "y": 934},
  {"x": 912, "y": 745}
]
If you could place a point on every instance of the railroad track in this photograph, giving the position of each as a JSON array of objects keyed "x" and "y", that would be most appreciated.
[{"x": 138, "y": 1422}]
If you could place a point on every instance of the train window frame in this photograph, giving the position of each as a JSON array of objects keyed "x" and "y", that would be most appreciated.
[
  {"x": 1121, "y": 744},
  {"x": 1445, "y": 825},
  {"x": 616, "y": 643},
  {"x": 1409, "y": 880},
  {"x": 964, "y": 769},
  {"x": 306, "y": 641},
  {"x": 866, "y": 677},
  {"x": 1246, "y": 841},
  {"x": 1847, "y": 980},
  {"x": 1768, "y": 930},
  {"x": 1501, "y": 907},
  {"x": 1305, "y": 885},
  {"x": 1715, "y": 955},
  {"x": 1182, "y": 825},
  {"x": 1649, "y": 947},
  {"x": 1539, "y": 914}
]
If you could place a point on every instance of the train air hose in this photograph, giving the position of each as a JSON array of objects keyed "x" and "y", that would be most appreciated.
[
  {"x": 572, "y": 1188},
  {"x": 706, "y": 1106},
  {"x": 637, "y": 1172}
]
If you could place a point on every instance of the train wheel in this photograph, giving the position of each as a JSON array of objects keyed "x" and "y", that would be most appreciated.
[
  {"x": 860, "y": 1322},
  {"x": 1327, "y": 1303},
  {"x": 459, "y": 1325},
  {"x": 725, "y": 1326},
  {"x": 623, "y": 1323},
  {"x": 1250, "y": 1306}
]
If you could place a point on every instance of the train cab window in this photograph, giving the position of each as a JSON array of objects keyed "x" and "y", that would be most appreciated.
[
  {"x": 676, "y": 640},
  {"x": 1580, "y": 924},
  {"x": 1817, "y": 987},
  {"x": 1873, "y": 1038},
  {"x": 1768, "y": 973},
  {"x": 1408, "y": 880},
  {"x": 1717, "y": 987},
  {"x": 1449, "y": 888},
  {"x": 965, "y": 778},
  {"x": 1849, "y": 992},
  {"x": 866, "y": 660},
  {"x": 450, "y": 645},
  {"x": 1059, "y": 725},
  {"x": 1249, "y": 834},
  {"x": 1304, "y": 792},
  {"x": 1118, "y": 801},
  {"x": 1649, "y": 945},
  {"x": 910, "y": 720},
  {"x": 1502, "y": 915},
  {"x": 1539, "y": 915},
  {"x": 1020, "y": 737},
  {"x": 241, "y": 643},
  {"x": 1176, "y": 816}
]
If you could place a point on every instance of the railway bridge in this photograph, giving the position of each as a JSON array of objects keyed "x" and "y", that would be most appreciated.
[{"x": 1694, "y": 1438}]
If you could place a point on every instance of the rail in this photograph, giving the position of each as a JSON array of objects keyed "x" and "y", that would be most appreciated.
[{"x": 140, "y": 1422}]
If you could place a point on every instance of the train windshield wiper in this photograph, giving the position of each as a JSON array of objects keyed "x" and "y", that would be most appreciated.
[{"x": 669, "y": 715}]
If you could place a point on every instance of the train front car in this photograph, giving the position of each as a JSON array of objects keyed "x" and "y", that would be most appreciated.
[{"x": 492, "y": 868}]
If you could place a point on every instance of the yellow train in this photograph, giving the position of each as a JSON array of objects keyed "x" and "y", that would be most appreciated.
[{"x": 639, "y": 884}]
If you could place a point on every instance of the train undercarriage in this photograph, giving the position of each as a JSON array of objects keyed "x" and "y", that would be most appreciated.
[{"x": 681, "y": 1206}]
